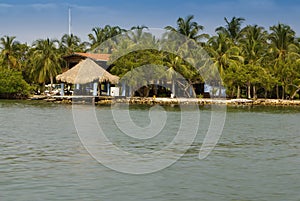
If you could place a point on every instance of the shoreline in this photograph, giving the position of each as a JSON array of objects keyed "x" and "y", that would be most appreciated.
[{"x": 169, "y": 101}]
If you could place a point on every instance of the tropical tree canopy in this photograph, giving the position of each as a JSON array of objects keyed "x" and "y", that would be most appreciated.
[
  {"x": 188, "y": 27},
  {"x": 45, "y": 61},
  {"x": 253, "y": 61}
]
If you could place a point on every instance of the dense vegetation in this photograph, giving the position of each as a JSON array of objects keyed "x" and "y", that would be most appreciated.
[{"x": 253, "y": 61}]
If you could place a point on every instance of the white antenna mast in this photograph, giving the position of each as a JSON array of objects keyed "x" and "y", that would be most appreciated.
[{"x": 70, "y": 21}]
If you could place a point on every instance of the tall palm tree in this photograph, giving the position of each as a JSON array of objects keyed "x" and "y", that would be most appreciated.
[
  {"x": 96, "y": 37},
  {"x": 45, "y": 61},
  {"x": 293, "y": 74},
  {"x": 232, "y": 28},
  {"x": 188, "y": 28},
  {"x": 281, "y": 37},
  {"x": 100, "y": 35},
  {"x": 112, "y": 31},
  {"x": 180, "y": 61},
  {"x": 71, "y": 43},
  {"x": 9, "y": 48},
  {"x": 225, "y": 54},
  {"x": 137, "y": 33},
  {"x": 253, "y": 41}
]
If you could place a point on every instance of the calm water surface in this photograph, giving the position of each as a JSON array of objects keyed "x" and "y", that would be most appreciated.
[{"x": 42, "y": 158}]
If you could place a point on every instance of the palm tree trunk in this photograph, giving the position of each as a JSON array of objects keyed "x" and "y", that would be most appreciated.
[
  {"x": 283, "y": 92},
  {"x": 266, "y": 93},
  {"x": 220, "y": 90},
  {"x": 8, "y": 63},
  {"x": 238, "y": 92},
  {"x": 254, "y": 92},
  {"x": 249, "y": 90},
  {"x": 277, "y": 91},
  {"x": 51, "y": 82},
  {"x": 173, "y": 88},
  {"x": 295, "y": 93},
  {"x": 43, "y": 87}
]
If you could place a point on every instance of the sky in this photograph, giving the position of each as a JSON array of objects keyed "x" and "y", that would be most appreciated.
[{"x": 30, "y": 20}]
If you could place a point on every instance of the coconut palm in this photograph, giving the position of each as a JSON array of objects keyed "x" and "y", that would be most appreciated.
[
  {"x": 9, "y": 48},
  {"x": 139, "y": 27},
  {"x": 188, "y": 28},
  {"x": 281, "y": 37},
  {"x": 225, "y": 54},
  {"x": 101, "y": 35},
  {"x": 136, "y": 33},
  {"x": 45, "y": 61},
  {"x": 232, "y": 28},
  {"x": 253, "y": 41},
  {"x": 70, "y": 44}
]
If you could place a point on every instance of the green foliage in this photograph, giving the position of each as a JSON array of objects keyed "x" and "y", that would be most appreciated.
[
  {"x": 101, "y": 35},
  {"x": 45, "y": 61},
  {"x": 252, "y": 61},
  {"x": 12, "y": 84},
  {"x": 188, "y": 28}
]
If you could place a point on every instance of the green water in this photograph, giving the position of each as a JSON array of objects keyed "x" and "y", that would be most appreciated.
[{"x": 42, "y": 158}]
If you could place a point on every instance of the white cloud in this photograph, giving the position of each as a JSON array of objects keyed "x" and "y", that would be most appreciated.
[
  {"x": 4, "y": 5},
  {"x": 41, "y": 6}
]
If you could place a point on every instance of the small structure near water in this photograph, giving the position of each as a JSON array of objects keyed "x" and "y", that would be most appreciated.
[{"x": 88, "y": 78}]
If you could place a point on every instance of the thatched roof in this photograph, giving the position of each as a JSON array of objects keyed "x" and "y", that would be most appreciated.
[
  {"x": 86, "y": 71},
  {"x": 82, "y": 55}
]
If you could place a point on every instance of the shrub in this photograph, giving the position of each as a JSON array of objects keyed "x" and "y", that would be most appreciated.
[{"x": 12, "y": 84}]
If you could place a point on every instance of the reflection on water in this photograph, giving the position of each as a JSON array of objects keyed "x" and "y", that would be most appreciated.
[{"x": 257, "y": 157}]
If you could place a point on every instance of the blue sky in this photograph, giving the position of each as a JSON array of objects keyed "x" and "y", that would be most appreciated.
[{"x": 35, "y": 19}]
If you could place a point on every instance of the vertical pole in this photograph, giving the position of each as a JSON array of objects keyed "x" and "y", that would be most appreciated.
[
  {"x": 70, "y": 22},
  {"x": 100, "y": 89},
  {"x": 62, "y": 89},
  {"x": 108, "y": 89},
  {"x": 130, "y": 91},
  {"x": 95, "y": 87},
  {"x": 191, "y": 90},
  {"x": 123, "y": 89}
]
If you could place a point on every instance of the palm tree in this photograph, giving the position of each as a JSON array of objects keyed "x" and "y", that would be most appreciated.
[
  {"x": 180, "y": 60},
  {"x": 100, "y": 35},
  {"x": 71, "y": 43},
  {"x": 225, "y": 54},
  {"x": 136, "y": 33},
  {"x": 281, "y": 37},
  {"x": 45, "y": 61},
  {"x": 139, "y": 27},
  {"x": 253, "y": 41},
  {"x": 232, "y": 28},
  {"x": 9, "y": 49},
  {"x": 188, "y": 28}
]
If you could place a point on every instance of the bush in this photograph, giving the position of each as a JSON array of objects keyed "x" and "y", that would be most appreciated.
[{"x": 12, "y": 84}]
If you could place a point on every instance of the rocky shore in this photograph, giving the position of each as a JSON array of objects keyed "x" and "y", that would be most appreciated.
[
  {"x": 170, "y": 101},
  {"x": 202, "y": 101}
]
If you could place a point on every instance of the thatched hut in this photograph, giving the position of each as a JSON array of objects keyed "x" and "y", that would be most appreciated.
[
  {"x": 74, "y": 58},
  {"x": 86, "y": 72}
]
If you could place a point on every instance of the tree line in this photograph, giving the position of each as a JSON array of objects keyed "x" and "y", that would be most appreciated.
[{"x": 253, "y": 61}]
